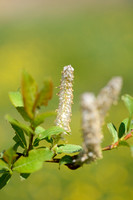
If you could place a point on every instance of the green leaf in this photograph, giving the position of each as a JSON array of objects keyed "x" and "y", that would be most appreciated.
[
  {"x": 19, "y": 137},
  {"x": 122, "y": 130},
  {"x": 16, "y": 99},
  {"x": 24, "y": 176},
  {"x": 9, "y": 155},
  {"x": 124, "y": 143},
  {"x": 29, "y": 93},
  {"x": 36, "y": 142},
  {"x": 65, "y": 160},
  {"x": 47, "y": 134},
  {"x": 16, "y": 145},
  {"x": 113, "y": 132},
  {"x": 22, "y": 112},
  {"x": 39, "y": 130},
  {"x": 3, "y": 171},
  {"x": 45, "y": 94},
  {"x": 3, "y": 165},
  {"x": 34, "y": 161},
  {"x": 55, "y": 130},
  {"x": 129, "y": 124},
  {"x": 15, "y": 124},
  {"x": 40, "y": 118},
  {"x": 128, "y": 100},
  {"x": 125, "y": 121},
  {"x": 68, "y": 148},
  {"x": 4, "y": 179}
]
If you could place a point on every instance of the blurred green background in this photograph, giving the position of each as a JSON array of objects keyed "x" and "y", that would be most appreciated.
[{"x": 96, "y": 38}]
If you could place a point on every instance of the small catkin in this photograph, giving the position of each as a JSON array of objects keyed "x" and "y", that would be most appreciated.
[
  {"x": 65, "y": 99},
  {"x": 108, "y": 96},
  {"x": 91, "y": 129}
]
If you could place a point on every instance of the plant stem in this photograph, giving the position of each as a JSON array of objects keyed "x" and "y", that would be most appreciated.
[
  {"x": 113, "y": 146},
  {"x": 31, "y": 138},
  {"x": 110, "y": 147},
  {"x": 30, "y": 143}
]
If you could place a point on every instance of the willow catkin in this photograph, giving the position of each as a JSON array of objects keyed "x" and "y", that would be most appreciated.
[
  {"x": 91, "y": 129},
  {"x": 65, "y": 99},
  {"x": 94, "y": 111},
  {"x": 108, "y": 96}
]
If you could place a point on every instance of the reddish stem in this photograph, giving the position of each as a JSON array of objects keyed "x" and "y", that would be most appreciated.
[{"x": 112, "y": 146}]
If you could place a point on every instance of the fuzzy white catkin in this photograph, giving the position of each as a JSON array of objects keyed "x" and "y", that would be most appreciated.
[
  {"x": 91, "y": 129},
  {"x": 65, "y": 99},
  {"x": 108, "y": 96},
  {"x": 94, "y": 111}
]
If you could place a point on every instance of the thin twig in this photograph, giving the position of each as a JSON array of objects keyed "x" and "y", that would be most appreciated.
[
  {"x": 31, "y": 137},
  {"x": 74, "y": 166},
  {"x": 113, "y": 146}
]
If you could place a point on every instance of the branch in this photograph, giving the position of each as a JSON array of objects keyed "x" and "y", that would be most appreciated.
[
  {"x": 74, "y": 165},
  {"x": 113, "y": 146}
]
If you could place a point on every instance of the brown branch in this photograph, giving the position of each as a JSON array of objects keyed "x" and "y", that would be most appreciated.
[
  {"x": 113, "y": 146},
  {"x": 74, "y": 166},
  {"x": 55, "y": 160},
  {"x": 71, "y": 166},
  {"x": 31, "y": 137}
]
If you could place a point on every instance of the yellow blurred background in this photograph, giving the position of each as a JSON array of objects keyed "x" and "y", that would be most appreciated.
[{"x": 96, "y": 38}]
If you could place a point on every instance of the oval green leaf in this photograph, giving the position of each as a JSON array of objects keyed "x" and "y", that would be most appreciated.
[
  {"x": 16, "y": 99},
  {"x": 4, "y": 179},
  {"x": 68, "y": 148},
  {"x": 122, "y": 130},
  {"x": 34, "y": 161},
  {"x": 113, "y": 132}
]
